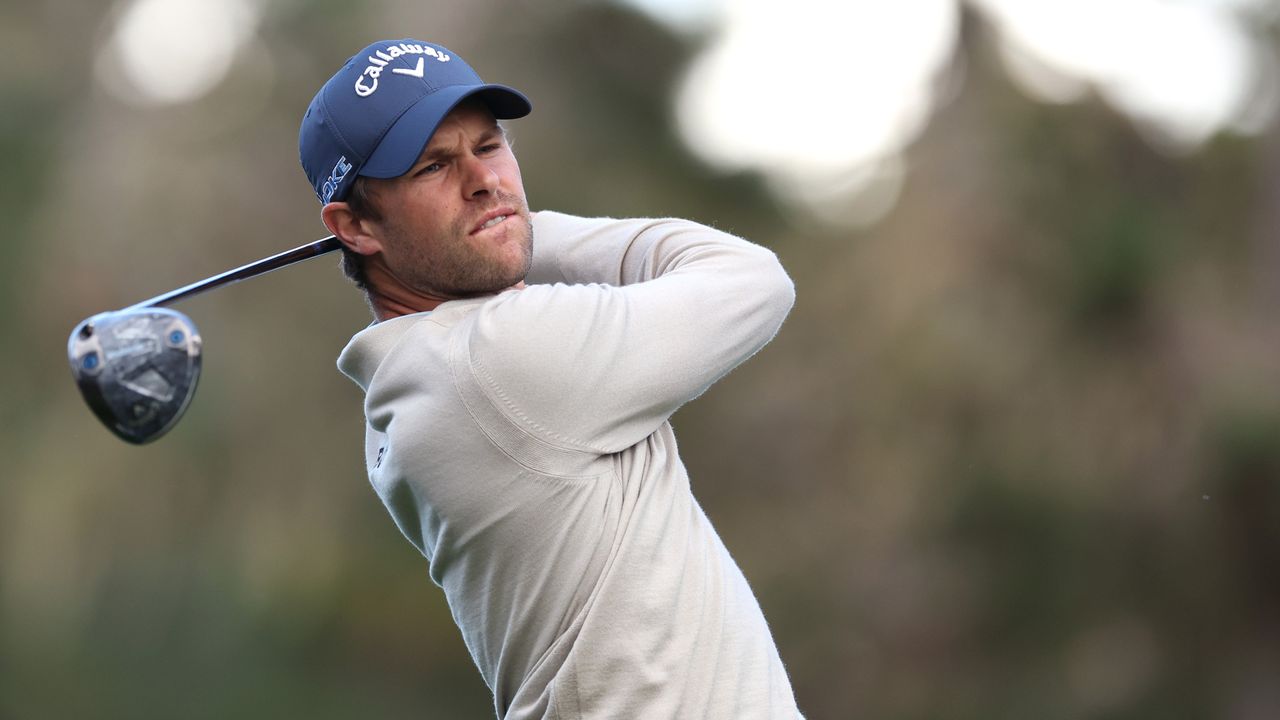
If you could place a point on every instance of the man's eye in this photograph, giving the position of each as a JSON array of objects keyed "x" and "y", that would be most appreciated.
[
  {"x": 428, "y": 169},
  {"x": 490, "y": 148}
]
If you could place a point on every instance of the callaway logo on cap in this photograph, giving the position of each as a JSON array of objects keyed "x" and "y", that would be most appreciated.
[
  {"x": 367, "y": 83},
  {"x": 376, "y": 114}
]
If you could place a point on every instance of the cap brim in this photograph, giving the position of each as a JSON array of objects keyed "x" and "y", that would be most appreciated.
[{"x": 402, "y": 145}]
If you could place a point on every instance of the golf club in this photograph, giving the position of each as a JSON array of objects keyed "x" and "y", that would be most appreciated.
[{"x": 137, "y": 368}]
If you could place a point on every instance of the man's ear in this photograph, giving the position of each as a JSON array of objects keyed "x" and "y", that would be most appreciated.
[{"x": 355, "y": 233}]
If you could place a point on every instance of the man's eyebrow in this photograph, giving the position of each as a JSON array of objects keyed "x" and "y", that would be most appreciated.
[
  {"x": 438, "y": 153},
  {"x": 430, "y": 154}
]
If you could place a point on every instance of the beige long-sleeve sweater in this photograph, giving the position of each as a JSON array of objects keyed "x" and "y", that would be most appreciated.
[{"x": 521, "y": 443}]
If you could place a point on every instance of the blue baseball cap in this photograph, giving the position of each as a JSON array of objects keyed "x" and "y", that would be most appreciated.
[{"x": 377, "y": 113}]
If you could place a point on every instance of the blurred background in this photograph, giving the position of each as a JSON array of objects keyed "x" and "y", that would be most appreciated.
[{"x": 1015, "y": 454}]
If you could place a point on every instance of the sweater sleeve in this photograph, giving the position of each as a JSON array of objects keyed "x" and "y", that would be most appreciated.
[{"x": 633, "y": 318}]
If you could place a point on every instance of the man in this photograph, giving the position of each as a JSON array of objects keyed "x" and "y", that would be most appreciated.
[{"x": 518, "y": 379}]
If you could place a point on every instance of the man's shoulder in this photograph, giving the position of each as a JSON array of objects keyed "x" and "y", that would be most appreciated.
[
  {"x": 557, "y": 221},
  {"x": 374, "y": 344}
]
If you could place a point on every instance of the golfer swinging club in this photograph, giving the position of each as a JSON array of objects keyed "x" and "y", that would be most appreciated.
[{"x": 518, "y": 381}]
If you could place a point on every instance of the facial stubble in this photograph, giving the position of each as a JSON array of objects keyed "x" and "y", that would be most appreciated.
[{"x": 452, "y": 266}]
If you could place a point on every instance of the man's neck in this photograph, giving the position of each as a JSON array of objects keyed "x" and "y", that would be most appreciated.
[{"x": 390, "y": 298}]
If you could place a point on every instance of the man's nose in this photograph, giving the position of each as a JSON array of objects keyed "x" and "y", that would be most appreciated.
[{"x": 479, "y": 178}]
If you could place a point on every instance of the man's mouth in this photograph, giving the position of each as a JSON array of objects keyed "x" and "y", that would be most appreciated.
[{"x": 493, "y": 220}]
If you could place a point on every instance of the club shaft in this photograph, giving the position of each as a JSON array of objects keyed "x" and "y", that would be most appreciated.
[{"x": 266, "y": 265}]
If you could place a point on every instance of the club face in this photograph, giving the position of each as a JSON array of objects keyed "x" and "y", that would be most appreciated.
[{"x": 137, "y": 369}]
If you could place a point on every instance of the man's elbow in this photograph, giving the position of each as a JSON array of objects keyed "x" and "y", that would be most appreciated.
[{"x": 777, "y": 291}]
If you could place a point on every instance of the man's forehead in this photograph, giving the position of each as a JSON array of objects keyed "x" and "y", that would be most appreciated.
[{"x": 470, "y": 116}]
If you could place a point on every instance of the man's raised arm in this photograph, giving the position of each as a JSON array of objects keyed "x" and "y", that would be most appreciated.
[{"x": 649, "y": 315}]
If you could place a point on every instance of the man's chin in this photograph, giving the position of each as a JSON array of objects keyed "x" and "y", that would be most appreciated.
[{"x": 482, "y": 289}]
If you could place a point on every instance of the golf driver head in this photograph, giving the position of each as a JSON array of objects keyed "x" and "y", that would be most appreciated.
[{"x": 137, "y": 369}]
